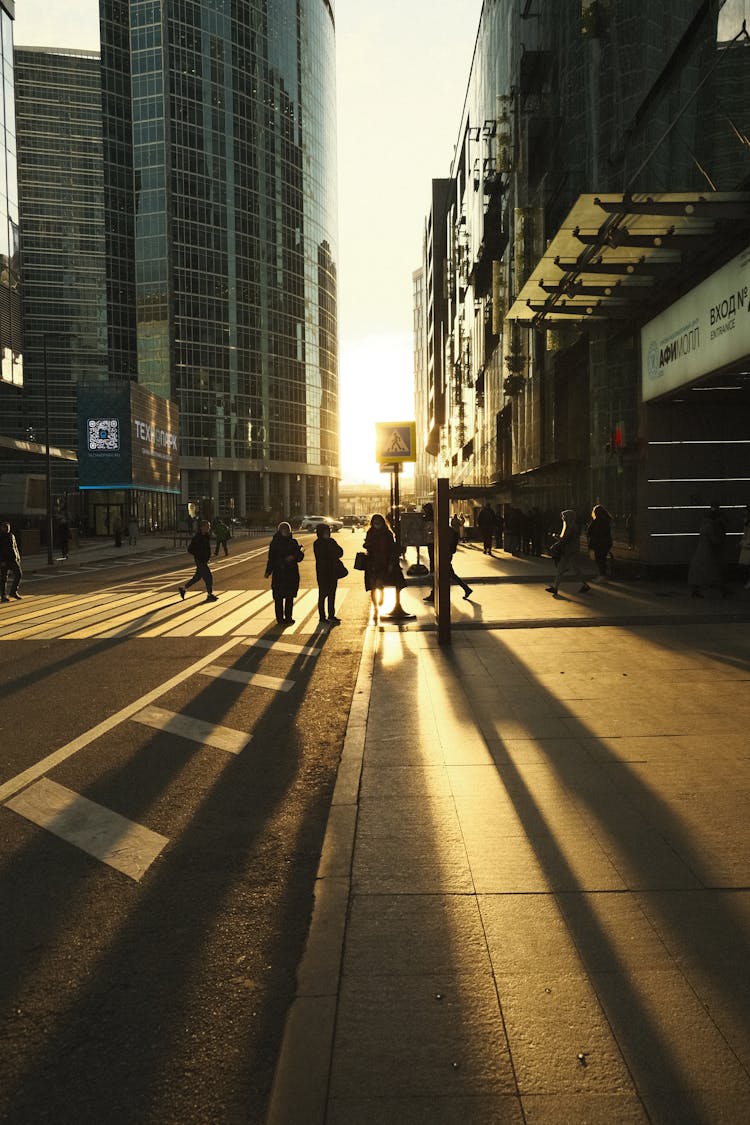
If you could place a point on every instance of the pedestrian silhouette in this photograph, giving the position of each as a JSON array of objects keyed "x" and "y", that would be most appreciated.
[
  {"x": 284, "y": 556},
  {"x": 200, "y": 548}
]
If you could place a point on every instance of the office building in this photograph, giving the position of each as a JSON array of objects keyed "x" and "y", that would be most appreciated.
[
  {"x": 59, "y": 122},
  {"x": 11, "y": 365},
  {"x": 230, "y": 239},
  {"x": 602, "y": 173}
]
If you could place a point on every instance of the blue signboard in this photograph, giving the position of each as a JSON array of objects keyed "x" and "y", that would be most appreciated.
[{"x": 127, "y": 438}]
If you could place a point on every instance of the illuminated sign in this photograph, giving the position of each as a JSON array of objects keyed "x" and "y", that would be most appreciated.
[
  {"x": 707, "y": 329},
  {"x": 128, "y": 438}
]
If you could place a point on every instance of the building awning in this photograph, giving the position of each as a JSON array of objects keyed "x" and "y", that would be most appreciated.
[
  {"x": 622, "y": 257},
  {"x": 472, "y": 491}
]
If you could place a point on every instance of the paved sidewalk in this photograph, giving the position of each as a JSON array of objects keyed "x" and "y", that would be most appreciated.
[{"x": 533, "y": 902}]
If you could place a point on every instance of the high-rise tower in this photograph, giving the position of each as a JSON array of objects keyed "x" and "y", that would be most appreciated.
[{"x": 222, "y": 116}]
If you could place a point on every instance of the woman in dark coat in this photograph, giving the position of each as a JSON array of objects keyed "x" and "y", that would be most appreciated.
[
  {"x": 284, "y": 555},
  {"x": 327, "y": 567},
  {"x": 382, "y": 568},
  {"x": 599, "y": 534}
]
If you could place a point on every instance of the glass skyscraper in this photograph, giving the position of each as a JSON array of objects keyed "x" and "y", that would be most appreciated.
[
  {"x": 59, "y": 124},
  {"x": 231, "y": 238},
  {"x": 11, "y": 365}
]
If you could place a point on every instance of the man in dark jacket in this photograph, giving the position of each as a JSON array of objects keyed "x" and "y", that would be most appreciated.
[
  {"x": 10, "y": 562},
  {"x": 486, "y": 524},
  {"x": 200, "y": 548}
]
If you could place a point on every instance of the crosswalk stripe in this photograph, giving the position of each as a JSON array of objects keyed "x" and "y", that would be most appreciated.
[
  {"x": 257, "y": 679},
  {"x": 197, "y": 730},
  {"x": 115, "y": 613},
  {"x": 231, "y": 621},
  {"x": 108, "y": 624},
  {"x": 128, "y": 847},
  {"x": 282, "y": 646}
]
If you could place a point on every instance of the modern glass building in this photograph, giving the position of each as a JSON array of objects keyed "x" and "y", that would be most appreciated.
[
  {"x": 11, "y": 364},
  {"x": 59, "y": 125},
  {"x": 601, "y": 174},
  {"x": 231, "y": 109}
]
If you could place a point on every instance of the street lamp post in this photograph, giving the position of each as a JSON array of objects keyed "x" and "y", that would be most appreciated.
[{"x": 50, "y": 559}]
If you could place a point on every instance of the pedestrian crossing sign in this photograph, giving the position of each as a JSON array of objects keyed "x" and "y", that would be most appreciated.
[{"x": 395, "y": 442}]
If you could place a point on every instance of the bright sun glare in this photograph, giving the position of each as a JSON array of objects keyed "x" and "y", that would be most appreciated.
[{"x": 377, "y": 385}]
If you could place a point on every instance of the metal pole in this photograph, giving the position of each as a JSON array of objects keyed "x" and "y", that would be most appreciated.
[
  {"x": 50, "y": 559},
  {"x": 442, "y": 563},
  {"x": 398, "y": 613}
]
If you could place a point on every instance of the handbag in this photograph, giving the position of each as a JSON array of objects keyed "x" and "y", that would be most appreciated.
[
  {"x": 556, "y": 550},
  {"x": 360, "y": 560},
  {"x": 341, "y": 571}
]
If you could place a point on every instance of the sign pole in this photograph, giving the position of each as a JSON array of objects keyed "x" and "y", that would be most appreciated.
[
  {"x": 396, "y": 442},
  {"x": 398, "y": 613},
  {"x": 442, "y": 563}
]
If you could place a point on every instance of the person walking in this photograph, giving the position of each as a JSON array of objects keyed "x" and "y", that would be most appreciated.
[
  {"x": 117, "y": 531},
  {"x": 221, "y": 532},
  {"x": 382, "y": 567},
  {"x": 200, "y": 548},
  {"x": 63, "y": 538},
  {"x": 567, "y": 550},
  {"x": 428, "y": 515},
  {"x": 284, "y": 556},
  {"x": 133, "y": 532},
  {"x": 599, "y": 533},
  {"x": 328, "y": 570},
  {"x": 486, "y": 525},
  {"x": 744, "y": 559},
  {"x": 707, "y": 564},
  {"x": 10, "y": 563},
  {"x": 453, "y": 534}
]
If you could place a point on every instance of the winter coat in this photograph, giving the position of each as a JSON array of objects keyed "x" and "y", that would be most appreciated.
[
  {"x": 382, "y": 568},
  {"x": 9, "y": 552},
  {"x": 570, "y": 536},
  {"x": 284, "y": 555},
  {"x": 200, "y": 547},
  {"x": 707, "y": 563},
  {"x": 744, "y": 559},
  {"x": 599, "y": 534},
  {"x": 327, "y": 553}
]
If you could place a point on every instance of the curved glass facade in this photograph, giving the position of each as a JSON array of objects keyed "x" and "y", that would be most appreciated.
[{"x": 233, "y": 120}]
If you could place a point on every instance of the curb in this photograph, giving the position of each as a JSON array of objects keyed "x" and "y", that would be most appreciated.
[{"x": 299, "y": 1093}]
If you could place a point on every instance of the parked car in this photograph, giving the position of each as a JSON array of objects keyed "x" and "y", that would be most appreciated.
[{"x": 309, "y": 523}]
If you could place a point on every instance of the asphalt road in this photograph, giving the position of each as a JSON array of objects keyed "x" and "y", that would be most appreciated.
[{"x": 157, "y": 993}]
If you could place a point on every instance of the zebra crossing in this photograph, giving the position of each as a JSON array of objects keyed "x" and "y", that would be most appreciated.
[
  {"x": 240, "y": 617},
  {"x": 152, "y": 612}
]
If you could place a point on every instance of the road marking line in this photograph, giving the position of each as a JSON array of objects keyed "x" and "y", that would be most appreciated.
[
  {"x": 197, "y": 730},
  {"x": 257, "y": 679},
  {"x": 282, "y": 646},
  {"x": 108, "y": 623},
  {"x": 255, "y": 603},
  {"x": 128, "y": 847},
  {"x": 74, "y": 614},
  {"x": 21, "y": 780},
  {"x": 199, "y": 615}
]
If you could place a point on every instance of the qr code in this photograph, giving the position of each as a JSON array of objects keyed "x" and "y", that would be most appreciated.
[{"x": 104, "y": 433}]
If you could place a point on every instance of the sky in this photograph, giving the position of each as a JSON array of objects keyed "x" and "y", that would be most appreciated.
[{"x": 402, "y": 72}]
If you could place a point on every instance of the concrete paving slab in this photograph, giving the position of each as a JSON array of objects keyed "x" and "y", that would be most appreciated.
[
  {"x": 560, "y": 1039},
  {"x": 666, "y": 1035},
  {"x": 584, "y": 1109},
  {"x": 498, "y": 1110},
  {"x": 418, "y": 1036},
  {"x": 410, "y": 935}
]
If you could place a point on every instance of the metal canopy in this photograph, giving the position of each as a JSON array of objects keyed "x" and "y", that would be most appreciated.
[{"x": 621, "y": 257}]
